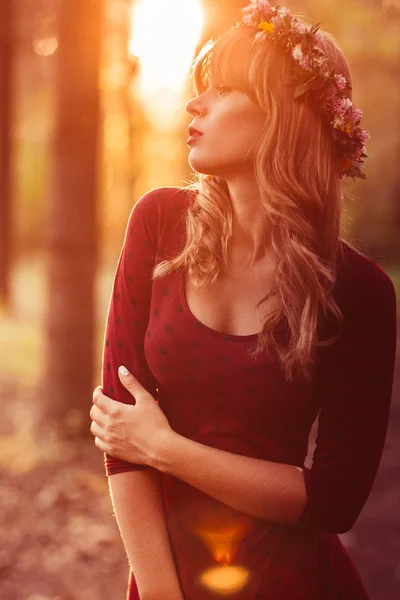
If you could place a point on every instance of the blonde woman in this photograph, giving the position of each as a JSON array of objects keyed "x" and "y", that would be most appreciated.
[{"x": 239, "y": 314}]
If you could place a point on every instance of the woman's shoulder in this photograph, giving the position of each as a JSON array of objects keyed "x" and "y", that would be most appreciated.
[
  {"x": 162, "y": 212},
  {"x": 360, "y": 274},
  {"x": 166, "y": 200}
]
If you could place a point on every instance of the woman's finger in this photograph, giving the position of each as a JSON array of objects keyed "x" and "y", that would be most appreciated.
[
  {"x": 96, "y": 414},
  {"x": 101, "y": 400},
  {"x": 96, "y": 430},
  {"x": 100, "y": 444}
]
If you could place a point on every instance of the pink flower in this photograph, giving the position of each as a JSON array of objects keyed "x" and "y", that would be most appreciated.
[
  {"x": 338, "y": 122},
  {"x": 358, "y": 154},
  {"x": 305, "y": 63},
  {"x": 264, "y": 5},
  {"x": 338, "y": 107},
  {"x": 348, "y": 102},
  {"x": 364, "y": 136},
  {"x": 266, "y": 9},
  {"x": 299, "y": 27},
  {"x": 250, "y": 15},
  {"x": 249, "y": 9},
  {"x": 344, "y": 117},
  {"x": 355, "y": 115},
  {"x": 341, "y": 82},
  {"x": 277, "y": 21},
  {"x": 248, "y": 19}
]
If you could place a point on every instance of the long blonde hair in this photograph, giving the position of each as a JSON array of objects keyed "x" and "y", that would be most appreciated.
[{"x": 296, "y": 168}]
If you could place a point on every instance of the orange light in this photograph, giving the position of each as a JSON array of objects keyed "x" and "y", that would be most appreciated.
[
  {"x": 225, "y": 580},
  {"x": 45, "y": 46},
  {"x": 164, "y": 36}
]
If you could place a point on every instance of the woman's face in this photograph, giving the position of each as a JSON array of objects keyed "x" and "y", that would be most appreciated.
[{"x": 230, "y": 121}]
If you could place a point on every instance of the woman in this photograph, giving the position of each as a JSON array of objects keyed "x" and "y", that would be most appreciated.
[{"x": 257, "y": 318}]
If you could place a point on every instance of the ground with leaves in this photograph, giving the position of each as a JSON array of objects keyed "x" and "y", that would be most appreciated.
[{"x": 59, "y": 539}]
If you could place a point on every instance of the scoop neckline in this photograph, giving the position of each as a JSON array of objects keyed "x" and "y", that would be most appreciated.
[{"x": 226, "y": 336}]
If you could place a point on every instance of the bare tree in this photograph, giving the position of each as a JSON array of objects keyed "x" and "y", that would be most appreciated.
[
  {"x": 72, "y": 230},
  {"x": 6, "y": 59}
]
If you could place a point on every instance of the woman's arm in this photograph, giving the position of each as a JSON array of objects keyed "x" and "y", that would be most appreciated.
[
  {"x": 356, "y": 378},
  {"x": 128, "y": 312},
  {"x": 260, "y": 488},
  {"x": 355, "y": 386},
  {"x": 138, "y": 506},
  {"x": 136, "y": 489}
]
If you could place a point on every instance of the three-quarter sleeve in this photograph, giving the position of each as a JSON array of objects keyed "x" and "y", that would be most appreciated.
[
  {"x": 356, "y": 379},
  {"x": 128, "y": 312}
]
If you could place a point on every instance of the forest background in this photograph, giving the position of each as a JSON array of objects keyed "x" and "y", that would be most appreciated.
[{"x": 92, "y": 96}]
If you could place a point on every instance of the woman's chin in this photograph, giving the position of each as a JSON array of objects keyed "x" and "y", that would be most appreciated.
[{"x": 202, "y": 167}]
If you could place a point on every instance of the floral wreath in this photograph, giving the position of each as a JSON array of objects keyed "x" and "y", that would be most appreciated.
[{"x": 312, "y": 71}]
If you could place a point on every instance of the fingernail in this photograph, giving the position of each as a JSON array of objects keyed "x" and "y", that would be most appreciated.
[{"x": 123, "y": 370}]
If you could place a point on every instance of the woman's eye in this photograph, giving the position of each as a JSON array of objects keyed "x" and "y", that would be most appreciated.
[{"x": 222, "y": 89}]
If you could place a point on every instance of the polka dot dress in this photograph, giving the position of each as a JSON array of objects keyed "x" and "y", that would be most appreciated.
[{"x": 212, "y": 392}]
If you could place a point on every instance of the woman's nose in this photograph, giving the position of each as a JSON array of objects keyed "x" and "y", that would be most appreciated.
[{"x": 194, "y": 107}]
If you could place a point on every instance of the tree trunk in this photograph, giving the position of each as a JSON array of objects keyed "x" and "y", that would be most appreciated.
[
  {"x": 6, "y": 57},
  {"x": 72, "y": 229}
]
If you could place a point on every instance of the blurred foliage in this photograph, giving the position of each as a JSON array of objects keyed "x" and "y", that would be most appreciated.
[
  {"x": 32, "y": 132},
  {"x": 370, "y": 39},
  {"x": 134, "y": 156}
]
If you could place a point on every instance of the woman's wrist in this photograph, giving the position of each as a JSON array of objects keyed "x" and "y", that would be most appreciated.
[{"x": 161, "y": 449}]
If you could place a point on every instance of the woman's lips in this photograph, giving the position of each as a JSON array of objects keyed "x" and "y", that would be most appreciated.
[{"x": 193, "y": 137}]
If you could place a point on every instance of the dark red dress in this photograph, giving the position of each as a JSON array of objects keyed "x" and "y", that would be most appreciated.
[{"x": 211, "y": 391}]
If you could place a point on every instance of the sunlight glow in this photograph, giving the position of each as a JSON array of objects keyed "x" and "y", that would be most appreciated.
[
  {"x": 164, "y": 36},
  {"x": 45, "y": 46}
]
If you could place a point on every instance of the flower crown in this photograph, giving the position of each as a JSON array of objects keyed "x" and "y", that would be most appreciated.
[{"x": 312, "y": 71}]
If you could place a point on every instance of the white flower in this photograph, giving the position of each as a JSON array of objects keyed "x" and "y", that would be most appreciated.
[
  {"x": 247, "y": 19},
  {"x": 338, "y": 122},
  {"x": 284, "y": 12},
  {"x": 264, "y": 5},
  {"x": 297, "y": 53}
]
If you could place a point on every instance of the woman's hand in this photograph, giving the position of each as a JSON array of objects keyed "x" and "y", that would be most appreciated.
[{"x": 127, "y": 432}]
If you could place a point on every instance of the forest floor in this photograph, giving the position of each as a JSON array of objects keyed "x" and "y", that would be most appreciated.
[{"x": 58, "y": 536}]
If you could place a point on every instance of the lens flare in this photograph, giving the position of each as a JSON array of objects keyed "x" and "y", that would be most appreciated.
[{"x": 225, "y": 578}]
